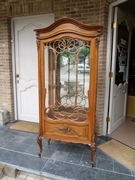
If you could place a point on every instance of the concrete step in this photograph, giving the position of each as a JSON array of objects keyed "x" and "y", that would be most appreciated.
[{"x": 7, "y": 171}]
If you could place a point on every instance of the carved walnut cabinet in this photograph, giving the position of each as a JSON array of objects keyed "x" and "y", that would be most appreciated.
[{"x": 67, "y": 82}]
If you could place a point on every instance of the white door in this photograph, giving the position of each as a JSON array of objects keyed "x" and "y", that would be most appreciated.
[
  {"x": 120, "y": 63},
  {"x": 26, "y": 65}
]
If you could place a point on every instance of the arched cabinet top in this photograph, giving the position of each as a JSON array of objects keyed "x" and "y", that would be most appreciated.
[{"x": 68, "y": 26}]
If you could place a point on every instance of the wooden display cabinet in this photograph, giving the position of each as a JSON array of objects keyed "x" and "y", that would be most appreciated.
[{"x": 67, "y": 96}]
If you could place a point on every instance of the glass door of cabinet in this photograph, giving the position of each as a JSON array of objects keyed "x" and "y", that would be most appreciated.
[{"x": 69, "y": 79}]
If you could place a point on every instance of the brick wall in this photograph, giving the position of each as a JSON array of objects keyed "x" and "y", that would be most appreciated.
[
  {"x": 6, "y": 87},
  {"x": 101, "y": 68},
  {"x": 85, "y": 11}
]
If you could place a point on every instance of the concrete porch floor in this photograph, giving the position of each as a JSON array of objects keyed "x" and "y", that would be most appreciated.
[{"x": 59, "y": 161}]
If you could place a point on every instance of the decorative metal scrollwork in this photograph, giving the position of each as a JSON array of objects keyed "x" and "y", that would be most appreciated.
[{"x": 67, "y": 44}]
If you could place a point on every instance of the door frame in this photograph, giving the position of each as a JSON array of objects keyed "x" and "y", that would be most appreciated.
[
  {"x": 14, "y": 59},
  {"x": 108, "y": 61}
]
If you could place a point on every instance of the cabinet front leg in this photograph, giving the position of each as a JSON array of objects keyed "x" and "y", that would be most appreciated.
[
  {"x": 39, "y": 141},
  {"x": 93, "y": 149},
  {"x": 49, "y": 141}
]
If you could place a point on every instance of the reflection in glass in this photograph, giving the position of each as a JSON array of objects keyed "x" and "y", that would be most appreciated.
[
  {"x": 122, "y": 53},
  {"x": 69, "y": 73}
]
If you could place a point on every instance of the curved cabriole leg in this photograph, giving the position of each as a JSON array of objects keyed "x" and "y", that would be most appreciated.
[
  {"x": 49, "y": 141},
  {"x": 93, "y": 149},
  {"x": 39, "y": 141}
]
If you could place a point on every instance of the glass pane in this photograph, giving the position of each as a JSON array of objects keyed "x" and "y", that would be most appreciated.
[
  {"x": 122, "y": 53},
  {"x": 69, "y": 72}
]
